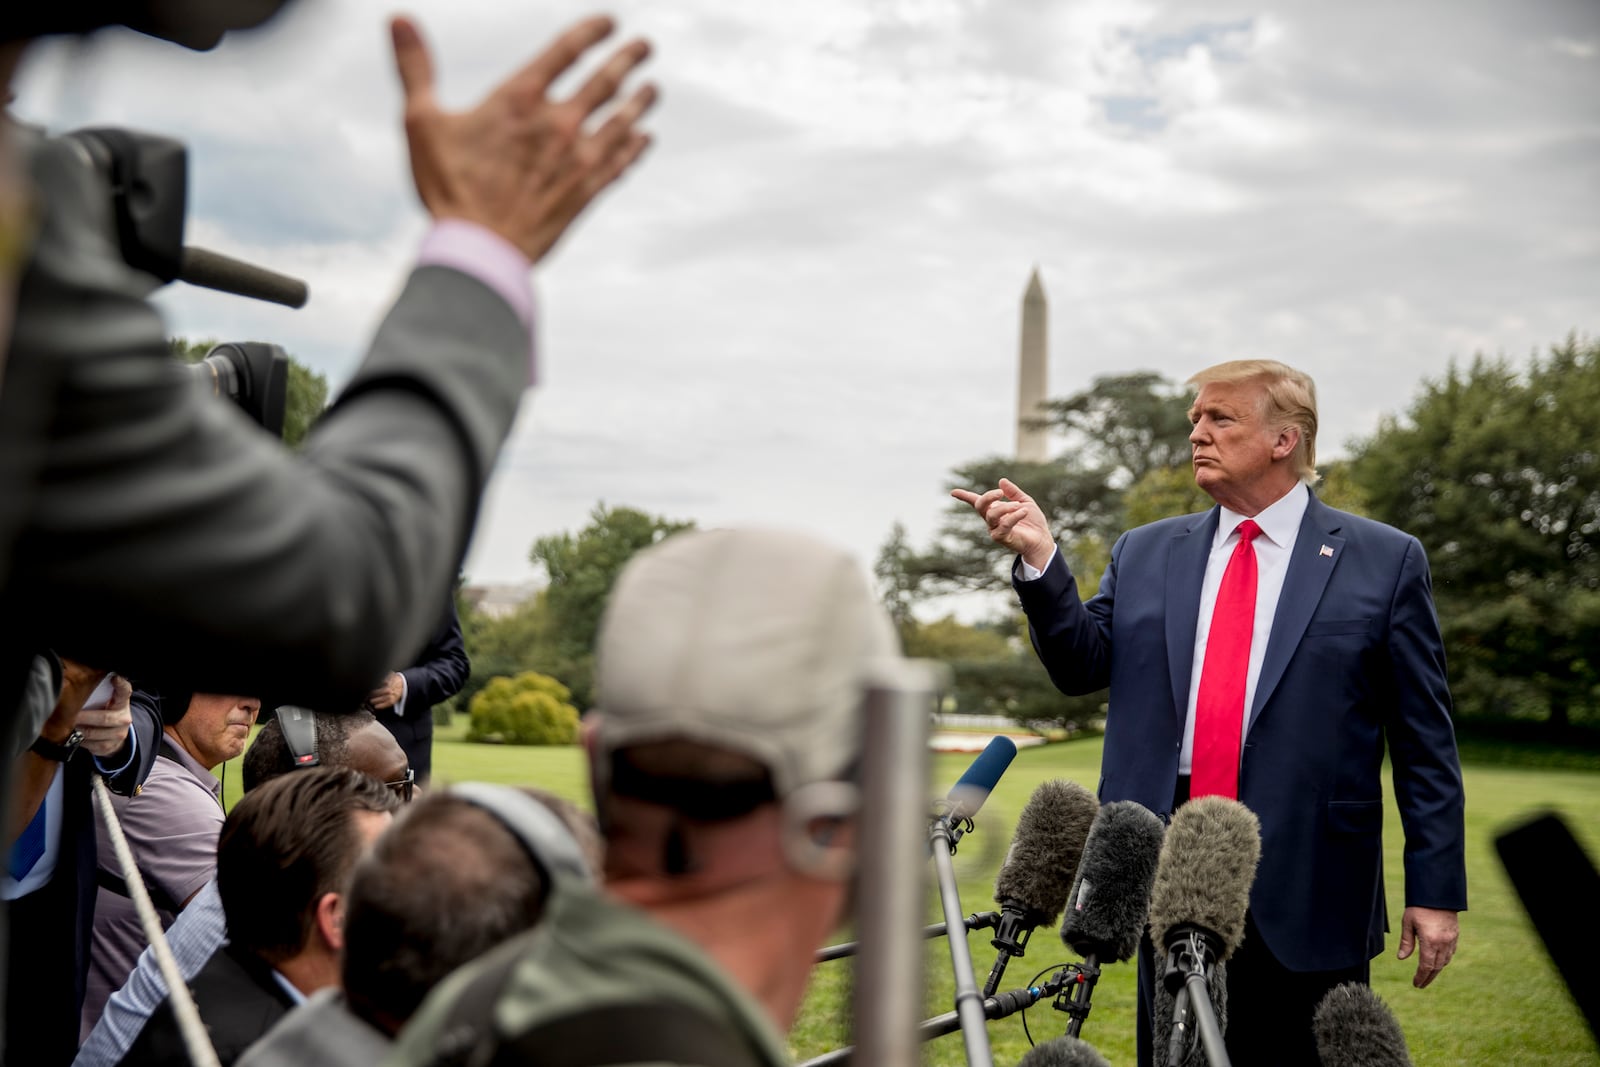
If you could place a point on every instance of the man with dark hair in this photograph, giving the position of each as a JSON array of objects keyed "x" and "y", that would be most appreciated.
[
  {"x": 283, "y": 859},
  {"x": 446, "y": 884},
  {"x": 722, "y": 756},
  {"x": 400, "y": 940},
  {"x": 171, "y": 826},
  {"x": 352, "y": 740}
]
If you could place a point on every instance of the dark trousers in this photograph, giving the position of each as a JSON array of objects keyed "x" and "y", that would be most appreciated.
[{"x": 1269, "y": 1006}]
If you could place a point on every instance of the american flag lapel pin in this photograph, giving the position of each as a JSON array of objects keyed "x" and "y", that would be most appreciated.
[{"x": 1325, "y": 551}]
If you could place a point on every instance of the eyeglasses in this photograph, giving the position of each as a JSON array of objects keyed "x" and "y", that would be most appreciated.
[{"x": 405, "y": 786}]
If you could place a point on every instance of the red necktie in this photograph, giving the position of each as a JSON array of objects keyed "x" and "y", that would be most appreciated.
[{"x": 1219, "y": 706}]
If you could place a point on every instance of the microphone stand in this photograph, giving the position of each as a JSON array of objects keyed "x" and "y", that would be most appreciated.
[
  {"x": 1076, "y": 1004},
  {"x": 942, "y": 838},
  {"x": 1001, "y": 1006},
  {"x": 1011, "y": 939},
  {"x": 978, "y": 920},
  {"x": 1190, "y": 957}
]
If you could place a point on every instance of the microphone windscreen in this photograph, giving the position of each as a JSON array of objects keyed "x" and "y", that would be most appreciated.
[
  {"x": 1045, "y": 850},
  {"x": 1355, "y": 1028},
  {"x": 1161, "y": 1004},
  {"x": 1110, "y": 899},
  {"x": 969, "y": 793},
  {"x": 1063, "y": 1052},
  {"x": 1208, "y": 863},
  {"x": 213, "y": 270}
]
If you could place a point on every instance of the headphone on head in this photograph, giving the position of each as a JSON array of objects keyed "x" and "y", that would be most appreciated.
[
  {"x": 540, "y": 831},
  {"x": 299, "y": 726}
]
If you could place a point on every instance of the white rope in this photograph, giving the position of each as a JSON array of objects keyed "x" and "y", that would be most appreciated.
[{"x": 201, "y": 1054}]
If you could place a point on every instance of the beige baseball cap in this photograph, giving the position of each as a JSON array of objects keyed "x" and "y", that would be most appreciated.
[{"x": 757, "y": 642}]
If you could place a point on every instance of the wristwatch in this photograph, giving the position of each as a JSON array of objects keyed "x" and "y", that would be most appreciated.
[{"x": 60, "y": 752}]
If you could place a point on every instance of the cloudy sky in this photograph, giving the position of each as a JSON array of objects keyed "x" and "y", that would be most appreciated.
[{"x": 802, "y": 308}]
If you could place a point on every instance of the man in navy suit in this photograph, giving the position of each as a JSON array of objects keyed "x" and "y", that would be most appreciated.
[
  {"x": 1266, "y": 649},
  {"x": 404, "y": 702}
]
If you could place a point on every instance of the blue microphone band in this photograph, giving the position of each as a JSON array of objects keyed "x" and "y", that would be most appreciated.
[{"x": 969, "y": 794}]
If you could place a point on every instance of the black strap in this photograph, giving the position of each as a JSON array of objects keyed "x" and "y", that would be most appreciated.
[
  {"x": 114, "y": 883},
  {"x": 169, "y": 750},
  {"x": 645, "y": 1032}
]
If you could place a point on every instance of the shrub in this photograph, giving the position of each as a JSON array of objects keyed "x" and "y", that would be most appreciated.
[{"x": 528, "y": 709}]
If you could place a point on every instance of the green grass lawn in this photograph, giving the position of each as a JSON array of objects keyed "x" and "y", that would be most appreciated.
[{"x": 1499, "y": 1002}]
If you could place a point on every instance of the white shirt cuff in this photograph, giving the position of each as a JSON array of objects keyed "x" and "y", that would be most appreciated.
[{"x": 1029, "y": 573}]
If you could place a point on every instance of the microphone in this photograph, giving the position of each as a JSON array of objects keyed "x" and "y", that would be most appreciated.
[
  {"x": 213, "y": 270},
  {"x": 1032, "y": 885},
  {"x": 1355, "y": 1028},
  {"x": 965, "y": 798},
  {"x": 1197, "y": 909},
  {"x": 1063, "y": 1052},
  {"x": 1110, "y": 898},
  {"x": 974, "y": 787}
]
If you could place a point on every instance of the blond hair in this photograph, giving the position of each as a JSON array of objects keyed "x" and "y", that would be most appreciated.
[{"x": 1290, "y": 400}]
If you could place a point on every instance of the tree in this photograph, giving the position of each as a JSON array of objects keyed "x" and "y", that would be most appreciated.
[
  {"x": 529, "y": 709},
  {"x": 504, "y": 646},
  {"x": 306, "y": 395},
  {"x": 1119, "y": 430},
  {"x": 1126, "y": 425},
  {"x": 1498, "y": 474},
  {"x": 581, "y": 570},
  {"x": 897, "y": 584}
]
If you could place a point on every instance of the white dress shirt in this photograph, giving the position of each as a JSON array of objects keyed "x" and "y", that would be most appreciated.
[{"x": 1280, "y": 528}]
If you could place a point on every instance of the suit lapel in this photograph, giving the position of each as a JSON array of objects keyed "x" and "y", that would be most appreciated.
[
  {"x": 1310, "y": 567},
  {"x": 1186, "y": 573}
]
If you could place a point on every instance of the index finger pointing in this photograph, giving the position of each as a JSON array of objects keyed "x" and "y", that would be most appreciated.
[
  {"x": 966, "y": 496},
  {"x": 564, "y": 51}
]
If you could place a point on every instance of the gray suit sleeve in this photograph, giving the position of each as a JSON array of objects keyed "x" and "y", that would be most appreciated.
[{"x": 163, "y": 533}]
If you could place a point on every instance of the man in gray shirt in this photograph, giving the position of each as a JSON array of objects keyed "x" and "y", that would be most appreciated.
[
  {"x": 355, "y": 740},
  {"x": 171, "y": 826}
]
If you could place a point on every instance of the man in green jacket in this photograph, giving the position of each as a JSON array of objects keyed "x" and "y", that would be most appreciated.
[{"x": 730, "y": 670}]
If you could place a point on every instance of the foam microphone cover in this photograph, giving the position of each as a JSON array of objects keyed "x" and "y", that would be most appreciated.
[
  {"x": 1208, "y": 863},
  {"x": 1161, "y": 1003},
  {"x": 1045, "y": 850},
  {"x": 1110, "y": 898},
  {"x": 1063, "y": 1052},
  {"x": 1355, "y": 1028}
]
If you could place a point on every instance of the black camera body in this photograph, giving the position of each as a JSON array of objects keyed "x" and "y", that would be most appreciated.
[
  {"x": 196, "y": 24},
  {"x": 252, "y": 374},
  {"x": 147, "y": 180}
]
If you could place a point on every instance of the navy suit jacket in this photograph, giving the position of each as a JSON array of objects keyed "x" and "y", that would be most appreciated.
[
  {"x": 239, "y": 1001},
  {"x": 439, "y": 673},
  {"x": 1354, "y": 657}
]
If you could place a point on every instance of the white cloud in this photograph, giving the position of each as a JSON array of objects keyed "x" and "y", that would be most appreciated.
[{"x": 802, "y": 309}]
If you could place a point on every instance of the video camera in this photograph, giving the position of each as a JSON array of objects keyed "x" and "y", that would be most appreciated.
[
  {"x": 147, "y": 179},
  {"x": 196, "y": 24}
]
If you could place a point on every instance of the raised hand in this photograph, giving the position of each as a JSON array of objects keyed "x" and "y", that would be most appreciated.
[
  {"x": 1014, "y": 520},
  {"x": 105, "y": 729},
  {"x": 521, "y": 164}
]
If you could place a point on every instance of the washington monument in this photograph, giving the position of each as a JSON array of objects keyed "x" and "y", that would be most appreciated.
[{"x": 1032, "y": 374}]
